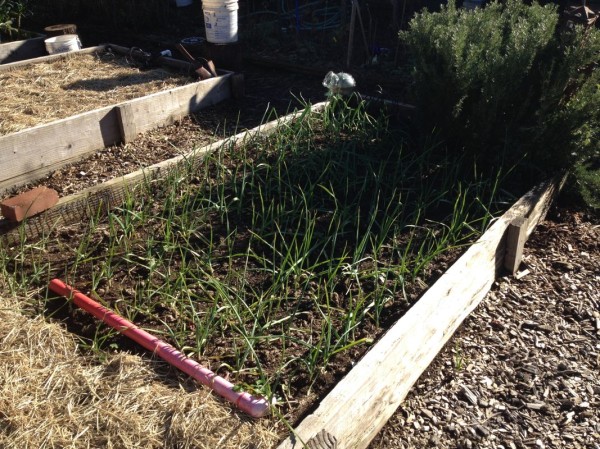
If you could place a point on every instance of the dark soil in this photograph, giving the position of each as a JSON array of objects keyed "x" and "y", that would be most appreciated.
[{"x": 266, "y": 91}]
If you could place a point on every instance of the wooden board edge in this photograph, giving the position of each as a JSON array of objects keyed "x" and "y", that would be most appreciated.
[
  {"x": 407, "y": 349},
  {"x": 48, "y": 58},
  {"x": 57, "y": 144},
  {"x": 164, "y": 107},
  {"x": 128, "y": 124},
  {"x": 539, "y": 211},
  {"x": 24, "y": 49},
  {"x": 321, "y": 71},
  {"x": 101, "y": 198}
]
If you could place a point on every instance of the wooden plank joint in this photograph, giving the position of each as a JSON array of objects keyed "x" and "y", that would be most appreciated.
[
  {"x": 516, "y": 236},
  {"x": 322, "y": 440},
  {"x": 127, "y": 122}
]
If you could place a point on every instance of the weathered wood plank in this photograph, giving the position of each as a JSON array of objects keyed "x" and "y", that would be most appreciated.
[
  {"x": 32, "y": 153},
  {"x": 99, "y": 199},
  {"x": 49, "y": 58},
  {"x": 322, "y": 440},
  {"x": 20, "y": 50},
  {"x": 540, "y": 209},
  {"x": 516, "y": 236},
  {"x": 145, "y": 113},
  {"x": 376, "y": 386}
]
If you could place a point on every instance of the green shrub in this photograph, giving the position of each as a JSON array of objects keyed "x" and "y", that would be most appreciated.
[
  {"x": 503, "y": 85},
  {"x": 11, "y": 13},
  {"x": 585, "y": 183}
]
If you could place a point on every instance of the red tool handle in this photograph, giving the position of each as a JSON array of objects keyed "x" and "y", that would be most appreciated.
[{"x": 254, "y": 406}]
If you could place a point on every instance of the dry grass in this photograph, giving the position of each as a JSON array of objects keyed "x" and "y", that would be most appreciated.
[
  {"x": 41, "y": 93},
  {"x": 51, "y": 396}
]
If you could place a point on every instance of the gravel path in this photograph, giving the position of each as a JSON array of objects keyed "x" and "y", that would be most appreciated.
[{"x": 524, "y": 369}]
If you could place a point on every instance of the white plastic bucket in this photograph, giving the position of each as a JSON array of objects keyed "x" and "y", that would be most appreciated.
[
  {"x": 62, "y": 44},
  {"x": 221, "y": 21}
]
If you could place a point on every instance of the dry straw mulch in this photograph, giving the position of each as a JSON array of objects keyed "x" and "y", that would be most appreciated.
[
  {"x": 52, "y": 396},
  {"x": 41, "y": 93}
]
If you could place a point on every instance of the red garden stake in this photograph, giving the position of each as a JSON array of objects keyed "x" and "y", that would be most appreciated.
[{"x": 256, "y": 407}]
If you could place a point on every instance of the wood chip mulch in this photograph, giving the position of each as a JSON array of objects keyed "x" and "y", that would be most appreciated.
[{"x": 523, "y": 371}]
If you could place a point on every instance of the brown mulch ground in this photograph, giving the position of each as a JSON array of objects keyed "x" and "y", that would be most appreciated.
[{"x": 523, "y": 370}]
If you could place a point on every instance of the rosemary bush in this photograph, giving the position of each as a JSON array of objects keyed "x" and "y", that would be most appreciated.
[{"x": 504, "y": 85}]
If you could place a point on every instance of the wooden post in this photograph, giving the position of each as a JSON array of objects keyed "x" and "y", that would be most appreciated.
[
  {"x": 127, "y": 122},
  {"x": 351, "y": 35},
  {"x": 516, "y": 236}
]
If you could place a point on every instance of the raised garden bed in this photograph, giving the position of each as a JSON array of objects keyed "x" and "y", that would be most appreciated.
[
  {"x": 378, "y": 384},
  {"x": 103, "y": 197},
  {"x": 369, "y": 285},
  {"x": 33, "y": 152}
]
